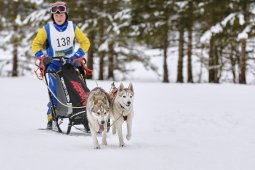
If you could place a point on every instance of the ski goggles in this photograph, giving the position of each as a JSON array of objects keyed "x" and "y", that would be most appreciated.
[{"x": 60, "y": 9}]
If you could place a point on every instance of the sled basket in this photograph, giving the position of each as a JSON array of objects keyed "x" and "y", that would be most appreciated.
[{"x": 71, "y": 94}]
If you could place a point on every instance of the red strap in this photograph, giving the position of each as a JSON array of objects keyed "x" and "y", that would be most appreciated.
[
  {"x": 114, "y": 92},
  {"x": 41, "y": 67}
]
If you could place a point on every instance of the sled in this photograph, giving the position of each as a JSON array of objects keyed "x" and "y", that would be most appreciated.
[{"x": 71, "y": 93}]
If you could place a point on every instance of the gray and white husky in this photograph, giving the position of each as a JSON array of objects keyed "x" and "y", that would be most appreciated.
[
  {"x": 98, "y": 106},
  {"x": 122, "y": 110}
]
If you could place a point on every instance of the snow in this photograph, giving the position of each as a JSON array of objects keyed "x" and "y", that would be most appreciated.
[
  {"x": 18, "y": 20},
  {"x": 219, "y": 27},
  {"x": 38, "y": 2},
  {"x": 244, "y": 34},
  {"x": 176, "y": 126}
]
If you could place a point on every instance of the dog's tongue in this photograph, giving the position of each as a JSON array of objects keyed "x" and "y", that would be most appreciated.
[{"x": 101, "y": 128}]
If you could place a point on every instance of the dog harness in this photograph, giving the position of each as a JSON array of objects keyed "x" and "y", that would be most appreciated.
[{"x": 125, "y": 118}]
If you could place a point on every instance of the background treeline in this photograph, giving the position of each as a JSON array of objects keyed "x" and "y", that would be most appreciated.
[{"x": 215, "y": 35}]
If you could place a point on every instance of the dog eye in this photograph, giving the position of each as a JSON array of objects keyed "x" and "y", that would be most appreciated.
[
  {"x": 124, "y": 96},
  {"x": 105, "y": 113},
  {"x": 98, "y": 113},
  {"x": 131, "y": 96}
]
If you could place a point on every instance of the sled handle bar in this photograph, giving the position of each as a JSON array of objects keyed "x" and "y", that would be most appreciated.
[{"x": 41, "y": 70}]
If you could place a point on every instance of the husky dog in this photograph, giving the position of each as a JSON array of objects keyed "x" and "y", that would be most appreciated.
[
  {"x": 98, "y": 105},
  {"x": 122, "y": 110}
]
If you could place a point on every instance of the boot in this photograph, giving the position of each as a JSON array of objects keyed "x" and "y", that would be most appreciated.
[{"x": 49, "y": 125}]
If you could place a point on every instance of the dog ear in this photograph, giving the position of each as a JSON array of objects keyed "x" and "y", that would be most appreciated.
[
  {"x": 121, "y": 87},
  {"x": 130, "y": 87}
]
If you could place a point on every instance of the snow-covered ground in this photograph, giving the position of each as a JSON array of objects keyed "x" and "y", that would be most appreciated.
[{"x": 176, "y": 127}]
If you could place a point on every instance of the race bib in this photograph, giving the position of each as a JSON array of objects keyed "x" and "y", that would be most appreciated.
[{"x": 62, "y": 42}]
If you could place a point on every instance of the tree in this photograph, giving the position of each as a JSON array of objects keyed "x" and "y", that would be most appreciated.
[
  {"x": 233, "y": 24},
  {"x": 190, "y": 25},
  {"x": 14, "y": 12},
  {"x": 180, "y": 57},
  {"x": 242, "y": 75},
  {"x": 215, "y": 20},
  {"x": 106, "y": 23},
  {"x": 151, "y": 19}
]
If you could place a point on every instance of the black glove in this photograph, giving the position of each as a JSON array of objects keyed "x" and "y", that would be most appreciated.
[
  {"x": 77, "y": 64},
  {"x": 47, "y": 61}
]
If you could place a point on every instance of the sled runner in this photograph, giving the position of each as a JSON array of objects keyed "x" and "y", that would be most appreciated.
[{"x": 71, "y": 93}]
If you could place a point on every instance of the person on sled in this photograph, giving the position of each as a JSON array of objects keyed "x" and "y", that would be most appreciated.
[{"x": 59, "y": 35}]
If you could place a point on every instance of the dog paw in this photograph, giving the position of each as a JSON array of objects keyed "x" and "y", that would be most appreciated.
[
  {"x": 128, "y": 137},
  {"x": 122, "y": 145},
  {"x": 97, "y": 147}
]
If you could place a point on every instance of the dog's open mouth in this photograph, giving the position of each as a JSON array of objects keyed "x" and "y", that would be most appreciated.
[{"x": 101, "y": 128}]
